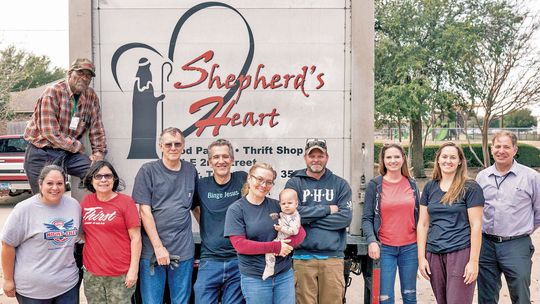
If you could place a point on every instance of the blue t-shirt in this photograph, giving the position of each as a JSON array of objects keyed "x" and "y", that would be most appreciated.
[
  {"x": 449, "y": 228},
  {"x": 170, "y": 194},
  {"x": 254, "y": 221},
  {"x": 214, "y": 199}
]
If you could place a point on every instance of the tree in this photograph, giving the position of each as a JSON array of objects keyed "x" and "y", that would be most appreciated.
[
  {"x": 20, "y": 70},
  {"x": 520, "y": 119},
  {"x": 416, "y": 44},
  {"x": 500, "y": 72}
]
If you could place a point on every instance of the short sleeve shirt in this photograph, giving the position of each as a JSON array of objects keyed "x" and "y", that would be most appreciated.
[
  {"x": 214, "y": 200},
  {"x": 449, "y": 228},
  {"x": 107, "y": 251},
  {"x": 255, "y": 222},
  {"x": 398, "y": 225},
  {"x": 170, "y": 195},
  {"x": 44, "y": 238}
]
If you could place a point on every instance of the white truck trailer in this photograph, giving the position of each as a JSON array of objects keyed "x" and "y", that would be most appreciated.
[{"x": 266, "y": 75}]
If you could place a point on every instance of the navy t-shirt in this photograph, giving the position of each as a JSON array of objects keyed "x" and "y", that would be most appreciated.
[
  {"x": 254, "y": 221},
  {"x": 214, "y": 199},
  {"x": 449, "y": 228}
]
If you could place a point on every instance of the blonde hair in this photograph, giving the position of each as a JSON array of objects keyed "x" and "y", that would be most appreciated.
[
  {"x": 457, "y": 188},
  {"x": 288, "y": 190},
  {"x": 266, "y": 166}
]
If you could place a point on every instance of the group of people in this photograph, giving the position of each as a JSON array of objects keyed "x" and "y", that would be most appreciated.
[
  {"x": 254, "y": 249},
  {"x": 459, "y": 231},
  {"x": 51, "y": 242},
  {"x": 43, "y": 257}
]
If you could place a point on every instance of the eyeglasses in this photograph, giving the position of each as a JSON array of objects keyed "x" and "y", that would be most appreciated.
[
  {"x": 315, "y": 142},
  {"x": 84, "y": 73},
  {"x": 171, "y": 145},
  {"x": 261, "y": 182},
  {"x": 107, "y": 176}
]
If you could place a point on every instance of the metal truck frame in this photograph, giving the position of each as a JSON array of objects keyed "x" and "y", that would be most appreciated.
[{"x": 317, "y": 57}]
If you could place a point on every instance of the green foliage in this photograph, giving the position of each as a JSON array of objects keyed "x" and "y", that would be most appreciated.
[
  {"x": 37, "y": 73},
  {"x": 418, "y": 45},
  {"x": 527, "y": 155},
  {"x": 495, "y": 123},
  {"x": 433, "y": 57},
  {"x": 20, "y": 70},
  {"x": 520, "y": 119},
  {"x": 499, "y": 71}
]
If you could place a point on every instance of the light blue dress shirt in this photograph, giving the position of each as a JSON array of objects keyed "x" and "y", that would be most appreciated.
[{"x": 512, "y": 204}]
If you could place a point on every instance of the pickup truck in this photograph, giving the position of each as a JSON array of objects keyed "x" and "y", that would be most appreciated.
[{"x": 13, "y": 180}]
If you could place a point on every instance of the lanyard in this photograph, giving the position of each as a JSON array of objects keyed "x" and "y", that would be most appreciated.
[
  {"x": 503, "y": 179},
  {"x": 74, "y": 109}
]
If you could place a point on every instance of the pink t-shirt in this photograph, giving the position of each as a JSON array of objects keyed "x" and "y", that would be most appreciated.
[
  {"x": 107, "y": 251},
  {"x": 397, "y": 214}
]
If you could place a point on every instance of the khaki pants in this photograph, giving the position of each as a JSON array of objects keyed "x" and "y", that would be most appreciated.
[{"x": 319, "y": 281}]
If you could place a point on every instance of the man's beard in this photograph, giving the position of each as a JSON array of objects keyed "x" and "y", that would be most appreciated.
[{"x": 313, "y": 170}]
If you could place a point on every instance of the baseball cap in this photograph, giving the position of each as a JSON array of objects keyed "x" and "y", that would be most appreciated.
[
  {"x": 83, "y": 64},
  {"x": 315, "y": 143}
]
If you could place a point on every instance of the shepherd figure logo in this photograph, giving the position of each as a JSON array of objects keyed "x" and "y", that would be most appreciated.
[{"x": 145, "y": 100}]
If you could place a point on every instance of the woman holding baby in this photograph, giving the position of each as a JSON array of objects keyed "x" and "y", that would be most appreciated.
[{"x": 251, "y": 226}]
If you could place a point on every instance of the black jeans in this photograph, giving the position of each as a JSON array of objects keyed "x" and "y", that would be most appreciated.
[
  {"x": 75, "y": 164},
  {"x": 514, "y": 259}
]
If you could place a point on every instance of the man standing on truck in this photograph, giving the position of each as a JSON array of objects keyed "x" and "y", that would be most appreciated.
[
  {"x": 164, "y": 190},
  {"x": 63, "y": 113},
  {"x": 325, "y": 211},
  {"x": 218, "y": 269},
  {"x": 511, "y": 214}
]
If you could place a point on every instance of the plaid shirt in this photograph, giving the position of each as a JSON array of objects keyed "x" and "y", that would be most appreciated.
[{"x": 49, "y": 125}]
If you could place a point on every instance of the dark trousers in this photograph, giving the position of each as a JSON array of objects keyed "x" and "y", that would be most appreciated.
[
  {"x": 514, "y": 259},
  {"x": 75, "y": 164},
  {"x": 69, "y": 297},
  {"x": 447, "y": 271}
]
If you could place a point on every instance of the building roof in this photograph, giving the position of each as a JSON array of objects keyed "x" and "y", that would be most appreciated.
[{"x": 25, "y": 101}]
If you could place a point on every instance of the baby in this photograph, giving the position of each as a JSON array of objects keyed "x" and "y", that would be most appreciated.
[{"x": 288, "y": 224}]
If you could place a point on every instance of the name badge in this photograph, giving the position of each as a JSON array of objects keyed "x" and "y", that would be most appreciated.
[{"x": 74, "y": 123}]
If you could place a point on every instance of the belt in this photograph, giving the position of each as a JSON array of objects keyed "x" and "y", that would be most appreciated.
[{"x": 500, "y": 239}]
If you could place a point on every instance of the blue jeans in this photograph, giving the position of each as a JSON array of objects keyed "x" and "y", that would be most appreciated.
[
  {"x": 69, "y": 297},
  {"x": 278, "y": 289},
  {"x": 153, "y": 284},
  {"x": 404, "y": 258},
  {"x": 216, "y": 276}
]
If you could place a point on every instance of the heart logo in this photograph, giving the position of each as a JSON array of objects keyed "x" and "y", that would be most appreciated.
[{"x": 144, "y": 120}]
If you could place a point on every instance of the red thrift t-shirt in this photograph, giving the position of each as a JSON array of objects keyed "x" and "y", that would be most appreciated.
[
  {"x": 107, "y": 250},
  {"x": 397, "y": 213}
]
